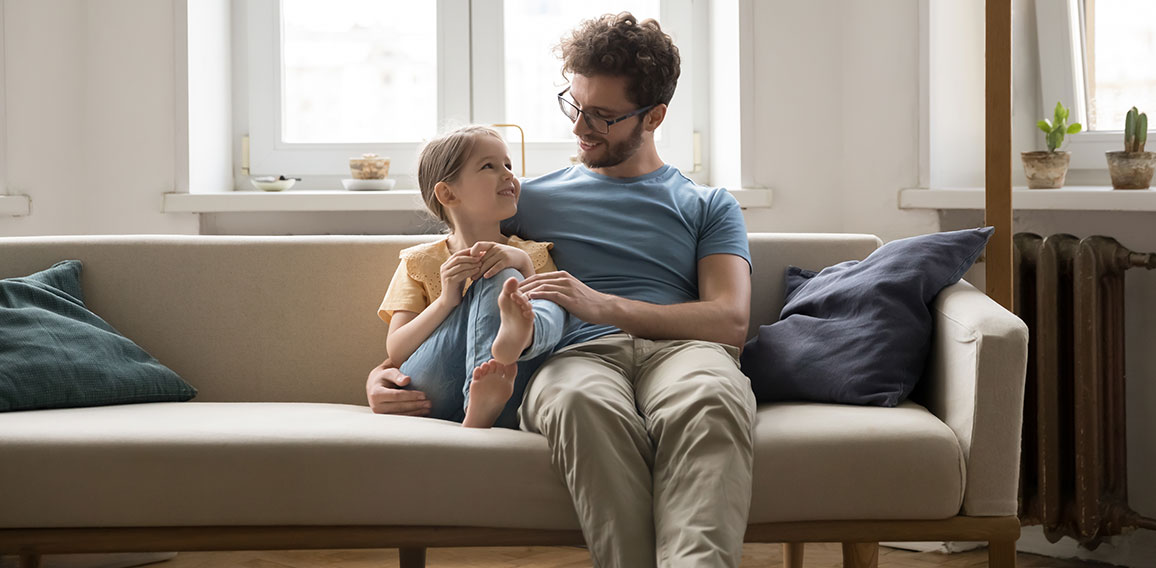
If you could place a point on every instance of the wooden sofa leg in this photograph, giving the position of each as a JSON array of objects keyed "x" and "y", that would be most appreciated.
[
  {"x": 411, "y": 557},
  {"x": 793, "y": 555},
  {"x": 1001, "y": 554},
  {"x": 29, "y": 560},
  {"x": 860, "y": 555}
]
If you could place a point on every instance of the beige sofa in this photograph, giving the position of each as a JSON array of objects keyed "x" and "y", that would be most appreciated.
[{"x": 279, "y": 450}]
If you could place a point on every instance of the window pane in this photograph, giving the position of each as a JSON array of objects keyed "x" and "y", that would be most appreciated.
[
  {"x": 533, "y": 72},
  {"x": 1121, "y": 62},
  {"x": 359, "y": 71}
]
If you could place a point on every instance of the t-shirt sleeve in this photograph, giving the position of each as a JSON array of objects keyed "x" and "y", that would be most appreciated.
[
  {"x": 404, "y": 293},
  {"x": 723, "y": 229}
]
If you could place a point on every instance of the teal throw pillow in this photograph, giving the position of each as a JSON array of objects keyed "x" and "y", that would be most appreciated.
[{"x": 55, "y": 353}]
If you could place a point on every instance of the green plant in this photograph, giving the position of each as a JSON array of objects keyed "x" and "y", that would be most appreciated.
[
  {"x": 1057, "y": 128},
  {"x": 1135, "y": 131}
]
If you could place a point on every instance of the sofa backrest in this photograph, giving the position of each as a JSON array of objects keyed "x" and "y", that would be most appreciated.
[
  {"x": 295, "y": 318},
  {"x": 771, "y": 253}
]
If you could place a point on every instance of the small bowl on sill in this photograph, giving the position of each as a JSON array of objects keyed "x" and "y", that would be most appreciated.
[{"x": 270, "y": 183}]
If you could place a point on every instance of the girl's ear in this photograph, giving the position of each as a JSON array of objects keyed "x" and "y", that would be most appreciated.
[{"x": 445, "y": 194}]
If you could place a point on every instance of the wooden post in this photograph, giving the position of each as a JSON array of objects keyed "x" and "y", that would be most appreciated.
[
  {"x": 793, "y": 554},
  {"x": 29, "y": 560},
  {"x": 998, "y": 195},
  {"x": 411, "y": 557},
  {"x": 860, "y": 555}
]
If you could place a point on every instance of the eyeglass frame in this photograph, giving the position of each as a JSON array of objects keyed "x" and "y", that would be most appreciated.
[{"x": 590, "y": 119}]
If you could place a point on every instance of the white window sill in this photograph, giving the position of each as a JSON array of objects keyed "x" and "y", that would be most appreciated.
[
  {"x": 393, "y": 200},
  {"x": 15, "y": 205},
  {"x": 1071, "y": 198}
]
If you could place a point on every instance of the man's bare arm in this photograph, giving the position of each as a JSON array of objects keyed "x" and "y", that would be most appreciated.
[{"x": 721, "y": 314}]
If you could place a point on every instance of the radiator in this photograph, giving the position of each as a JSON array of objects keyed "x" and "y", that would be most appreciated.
[{"x": 1073, "y": 468}]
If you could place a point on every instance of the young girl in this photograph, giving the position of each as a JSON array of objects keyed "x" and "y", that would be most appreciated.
[{"x": 456, "y": 317}]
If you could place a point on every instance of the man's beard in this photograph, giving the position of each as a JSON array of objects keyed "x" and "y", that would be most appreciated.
[{"x": 617, "y": 153}]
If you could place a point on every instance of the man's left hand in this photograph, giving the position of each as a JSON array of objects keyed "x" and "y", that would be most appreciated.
[{"x": 582, "y": 301}]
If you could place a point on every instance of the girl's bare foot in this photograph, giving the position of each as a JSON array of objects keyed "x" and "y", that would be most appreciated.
[
  {"x": 491, "y": 387},
  {"x": 517, "y": 329}
]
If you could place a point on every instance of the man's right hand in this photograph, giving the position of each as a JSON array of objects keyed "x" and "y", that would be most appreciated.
[{"x": 385, "y": 394}]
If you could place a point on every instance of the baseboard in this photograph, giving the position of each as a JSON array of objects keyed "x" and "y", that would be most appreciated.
[
  {"x": 943, "y": 547},
  {"x": 1135, "y": 549}
]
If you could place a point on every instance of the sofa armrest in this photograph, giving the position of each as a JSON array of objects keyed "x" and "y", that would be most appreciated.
[{"x": 975, "y": 384}]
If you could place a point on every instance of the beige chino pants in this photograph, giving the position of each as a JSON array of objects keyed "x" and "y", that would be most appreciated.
[{"x": 654, "y": 441}]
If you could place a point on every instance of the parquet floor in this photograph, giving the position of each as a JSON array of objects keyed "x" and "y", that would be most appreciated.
[{"x": 754, "y": 555}]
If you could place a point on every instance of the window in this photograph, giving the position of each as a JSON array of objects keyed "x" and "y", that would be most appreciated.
[
  {"x": 327, "y": 81},
  {"x": 351, "y": 67},
  {"x": 1119, "y": 60},
  {"x": 1096, "y": 57}
]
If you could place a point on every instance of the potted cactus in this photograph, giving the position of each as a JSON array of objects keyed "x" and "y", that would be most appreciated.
[
  {"x": 1046, "y": 170},
  {"x": 1133, "y": 168}
]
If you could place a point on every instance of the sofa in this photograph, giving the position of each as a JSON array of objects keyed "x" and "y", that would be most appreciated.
[{"x": 279, "y": 450}]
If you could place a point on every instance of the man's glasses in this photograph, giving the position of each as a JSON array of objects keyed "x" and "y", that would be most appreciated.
[{"x": 597, "y": 124}]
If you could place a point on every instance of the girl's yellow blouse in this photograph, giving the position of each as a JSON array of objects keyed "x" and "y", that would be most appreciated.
[{"x": 417, "y": 282}]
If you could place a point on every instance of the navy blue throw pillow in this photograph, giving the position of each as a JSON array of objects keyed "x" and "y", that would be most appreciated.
[{"x": 859, "y": 332}]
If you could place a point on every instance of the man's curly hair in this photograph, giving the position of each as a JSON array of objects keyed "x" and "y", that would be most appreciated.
[{"x": 620, "y": 45}]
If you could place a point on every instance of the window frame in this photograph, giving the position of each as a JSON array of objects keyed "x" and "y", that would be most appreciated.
[
  {"x": 3, "y": 112},
  {"x": 460, "y": 54},
  {"x": 1062, "y": 78}
]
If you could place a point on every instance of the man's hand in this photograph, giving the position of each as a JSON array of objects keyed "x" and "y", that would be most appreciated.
[
  {"x": 582, "y": 301},
  {"x": 719, "y": 315},
  {"x": 383, "y": 389}
]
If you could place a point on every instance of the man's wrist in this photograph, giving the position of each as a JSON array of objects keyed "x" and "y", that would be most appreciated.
[{"x": 610, "y": 311}]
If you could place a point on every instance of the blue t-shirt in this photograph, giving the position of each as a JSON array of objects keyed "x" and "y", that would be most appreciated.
[{"x": 640, "y": 238}]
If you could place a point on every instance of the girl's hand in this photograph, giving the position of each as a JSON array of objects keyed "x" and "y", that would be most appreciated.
[
  {"x": 496, "y": 257},
  {"x": 454, "y": 272}
]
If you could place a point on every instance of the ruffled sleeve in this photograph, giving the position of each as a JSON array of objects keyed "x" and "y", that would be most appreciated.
[
  {"x": 404, "y": 293},
  {"x": 539, "y": 253},
  {"x": 423, "y": 266}
]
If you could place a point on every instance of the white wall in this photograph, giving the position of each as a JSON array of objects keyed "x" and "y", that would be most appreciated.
[
  {"x": 90, "y": 132},
  {"x": 836, "y": 127},
  {"x": 204, "y": 142},
  {"x": 956, "y": 93}
]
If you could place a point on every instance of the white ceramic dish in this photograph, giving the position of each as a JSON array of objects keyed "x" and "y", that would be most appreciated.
[
  {"x": 273, "y": 185},
  {"x": 368, "y": 184}
]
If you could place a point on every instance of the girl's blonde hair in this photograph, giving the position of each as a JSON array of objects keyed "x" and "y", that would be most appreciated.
[{"x": 442, "y": 159}]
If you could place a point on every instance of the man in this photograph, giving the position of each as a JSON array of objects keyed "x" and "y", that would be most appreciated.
[{"x": 648, "y": 418}]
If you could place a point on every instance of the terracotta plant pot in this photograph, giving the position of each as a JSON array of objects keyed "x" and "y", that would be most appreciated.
[
  {"x": 1131, "y": 170},
  {"x": 1045, "y": 170}
]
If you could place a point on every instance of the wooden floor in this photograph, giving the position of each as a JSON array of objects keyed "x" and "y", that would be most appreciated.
[{"x": 754, "y": 555}]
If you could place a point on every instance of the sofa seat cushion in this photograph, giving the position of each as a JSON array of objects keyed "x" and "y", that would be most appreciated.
[
  {"x": 201, "y": 464},
  {"x": 818, "y": 461}
]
